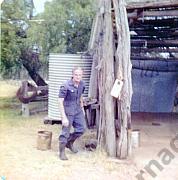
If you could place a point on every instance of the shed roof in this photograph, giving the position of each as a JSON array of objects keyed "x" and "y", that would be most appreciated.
[{"x": 154, "y": 29}]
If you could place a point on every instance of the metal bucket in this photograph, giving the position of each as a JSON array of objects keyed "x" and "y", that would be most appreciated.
[
  {"x": 135, "y": 138},
  {"x": 44, "y": 140}
]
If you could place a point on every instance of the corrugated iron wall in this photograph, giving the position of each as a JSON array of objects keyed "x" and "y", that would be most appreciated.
[{"x": 60, "y": 70}]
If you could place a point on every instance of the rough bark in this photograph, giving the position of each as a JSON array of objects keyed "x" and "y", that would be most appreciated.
[
  {"x": 106, "y": 52},
  {"x": 31, "y": 62},
  {"x": 122, "y": 57},
  {"x": 106, "y": 78},
  {"x": 93, "y": 49}
]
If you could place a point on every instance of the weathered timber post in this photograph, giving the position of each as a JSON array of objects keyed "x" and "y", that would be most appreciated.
[
  {"x": 106, "y": 134},
  {"x": 122, "y": 56},
  {"x": 25, "y": 106},
  {"x": 94, "y": 50},
  {"x": 111, "y": 59}
]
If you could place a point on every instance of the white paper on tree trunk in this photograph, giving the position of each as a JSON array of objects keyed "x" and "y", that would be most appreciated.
[{"x": 116, "y": 89}]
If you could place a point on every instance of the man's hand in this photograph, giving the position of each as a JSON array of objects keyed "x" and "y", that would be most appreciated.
[
  {"x": 83, "y": 110},
  {"x": 65, "y": 122}
]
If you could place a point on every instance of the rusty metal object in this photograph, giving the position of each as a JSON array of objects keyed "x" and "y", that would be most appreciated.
[
  {"x": 22, "y": 92},
  {"x": 28, "y": 92},
  {"x": 44, "y": 140}
]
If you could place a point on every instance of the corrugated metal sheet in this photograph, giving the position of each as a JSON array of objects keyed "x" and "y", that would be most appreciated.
[
  {"x": 60, "y": 70},
  {"x": 154, "y": 85}
]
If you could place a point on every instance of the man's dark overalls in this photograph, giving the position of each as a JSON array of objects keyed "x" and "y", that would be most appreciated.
[{"x": 73, "y": 111}]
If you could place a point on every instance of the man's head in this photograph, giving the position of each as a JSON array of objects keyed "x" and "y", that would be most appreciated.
[{"x": 77, "y": 73}]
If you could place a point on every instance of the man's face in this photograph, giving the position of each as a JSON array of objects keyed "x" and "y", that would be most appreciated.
[{"x": 77, "y": 75}]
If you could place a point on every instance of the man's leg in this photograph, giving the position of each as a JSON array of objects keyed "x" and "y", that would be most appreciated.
[
  {"x": 79, "y": 128},
  {"x": 63, "y": 139}
]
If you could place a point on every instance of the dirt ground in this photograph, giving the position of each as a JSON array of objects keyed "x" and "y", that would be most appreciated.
[
  {"x": 156, "y": 133},
  {"x": 20, "y": 159}
]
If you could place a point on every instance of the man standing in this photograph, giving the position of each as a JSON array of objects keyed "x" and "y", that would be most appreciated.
[{"x": 71, "y": 108}]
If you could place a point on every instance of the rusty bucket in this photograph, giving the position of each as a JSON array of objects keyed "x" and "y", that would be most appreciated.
[{"x": 44, "y": 140}]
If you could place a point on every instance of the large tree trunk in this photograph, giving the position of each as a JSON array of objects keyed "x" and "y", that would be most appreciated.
[
  {"x": 30, "y": 61},
  {"x": 106, "y": 135},
  {"x": 112, "y": 57},
  {"x": 122, "y": 56}
]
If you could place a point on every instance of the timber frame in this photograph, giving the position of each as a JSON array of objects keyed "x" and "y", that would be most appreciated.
[
  {"x": 154, "y": 30},
  {"x": 123, "y": 32}
]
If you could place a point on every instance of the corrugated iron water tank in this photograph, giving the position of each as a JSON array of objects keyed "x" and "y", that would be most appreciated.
[{"x": 60, "y": 70}]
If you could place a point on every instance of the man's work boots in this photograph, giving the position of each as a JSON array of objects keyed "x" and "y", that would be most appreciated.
[
  {"x": 62, "y": 154},
  {"x": 71, "y": 146}
]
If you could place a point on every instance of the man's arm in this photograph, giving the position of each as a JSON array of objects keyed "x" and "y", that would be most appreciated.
[
  {"x": 65, "y": 121},
  {"x": 82, "y": 103}
]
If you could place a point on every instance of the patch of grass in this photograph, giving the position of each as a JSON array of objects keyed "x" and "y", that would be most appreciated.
[
  {"x": 10, "y": 114},
  {"x": 8, "y": 102},
  {"x": 9, "y": 110},
  {"x": 8, "y": 89}
]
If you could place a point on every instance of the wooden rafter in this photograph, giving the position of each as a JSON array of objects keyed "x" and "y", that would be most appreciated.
[
  {"x": 156, "y": 50},
  {"x": 155, "y": 43},
  {"x": 151, "y": 4},
  {"x": 145, "y": 13}
]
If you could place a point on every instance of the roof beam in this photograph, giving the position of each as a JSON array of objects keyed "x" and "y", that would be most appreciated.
[{"x": 151, "y": 4}]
